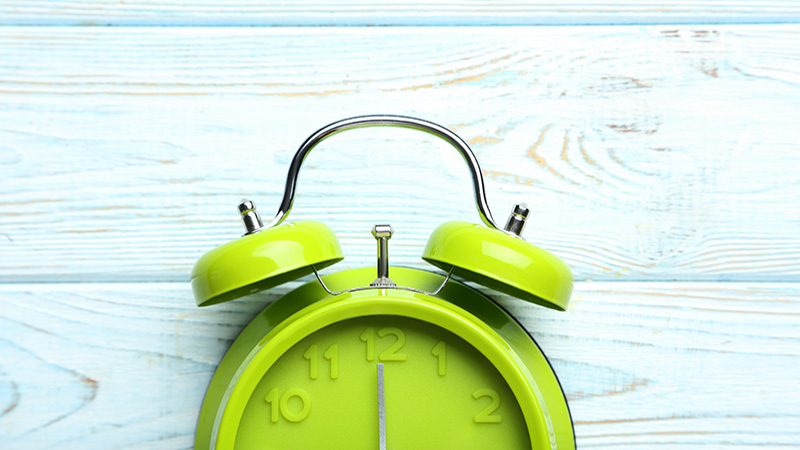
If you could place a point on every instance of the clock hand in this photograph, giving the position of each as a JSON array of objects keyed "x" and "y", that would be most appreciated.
[{"x": 381, "y": 410}]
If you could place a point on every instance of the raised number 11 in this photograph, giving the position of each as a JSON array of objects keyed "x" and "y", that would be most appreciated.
[{"x": 332, "y": 355}]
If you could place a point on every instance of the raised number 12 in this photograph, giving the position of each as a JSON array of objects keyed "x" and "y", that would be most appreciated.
[{"x": 391, "y": 353}]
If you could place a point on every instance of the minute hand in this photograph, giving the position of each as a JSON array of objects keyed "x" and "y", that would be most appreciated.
[{"x": 381, "y": 410}]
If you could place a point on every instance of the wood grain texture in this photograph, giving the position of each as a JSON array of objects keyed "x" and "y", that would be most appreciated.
[
  {"x": 646, "y": 153},
  {"x": 644, "y": 365},
  {"x": 362, "y": 12}
]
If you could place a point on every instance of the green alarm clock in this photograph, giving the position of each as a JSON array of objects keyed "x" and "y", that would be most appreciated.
[{"x": 367, "y": 360}]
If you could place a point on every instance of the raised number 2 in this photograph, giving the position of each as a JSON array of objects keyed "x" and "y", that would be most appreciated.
[
  {"x": 485, "y": 416},
  {"x": 391, "y": 353}
]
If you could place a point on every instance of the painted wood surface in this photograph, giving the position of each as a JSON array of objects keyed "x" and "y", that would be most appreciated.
[
  {"x": 661, "y": 153},
  {"x": 646, "y": 153},
  {"x": 365, "y": 13},
  {"x": 644, "y": 365}
]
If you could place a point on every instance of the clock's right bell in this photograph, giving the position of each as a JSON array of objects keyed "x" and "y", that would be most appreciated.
[{"x": 501, "y": 261}]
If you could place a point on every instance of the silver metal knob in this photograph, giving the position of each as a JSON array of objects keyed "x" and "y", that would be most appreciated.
[
  {"x": 382, "y": 234},
  {"x": 250, "y": 218},
  {"x": 516, "y": 221}
]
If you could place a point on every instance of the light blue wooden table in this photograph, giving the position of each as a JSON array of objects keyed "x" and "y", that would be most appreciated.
[{"x": 659, "y": 148}]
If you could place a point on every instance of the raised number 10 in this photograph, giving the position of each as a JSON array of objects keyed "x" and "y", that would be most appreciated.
[
  {"x": 332, "y": 355},
  {"x": 279, "y": 405}
]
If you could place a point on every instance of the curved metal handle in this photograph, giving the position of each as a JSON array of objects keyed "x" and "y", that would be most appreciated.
[{"x": 384, "y": 121}]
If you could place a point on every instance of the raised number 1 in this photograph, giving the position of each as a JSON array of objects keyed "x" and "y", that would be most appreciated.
[
  {"x": 441, "y": 352},
  {"x": 273, "y": 399},
  {"x": 368, "y": 336},
  {"x": 311, "y": 356},
  {"x": 332, "y": 355}
]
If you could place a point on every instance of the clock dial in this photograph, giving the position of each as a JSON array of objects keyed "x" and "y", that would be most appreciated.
[{"x": 438, "y": 391}]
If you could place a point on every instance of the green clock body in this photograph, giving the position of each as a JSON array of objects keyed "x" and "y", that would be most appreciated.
[{"x": 458, "y": 373}]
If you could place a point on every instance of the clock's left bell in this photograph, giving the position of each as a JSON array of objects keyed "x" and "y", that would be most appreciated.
[{"x": 263, "y": 258}]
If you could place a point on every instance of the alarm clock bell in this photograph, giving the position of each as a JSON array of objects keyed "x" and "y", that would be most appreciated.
[
  {"x": 263, "y": 260},
  {"x": 262, "y": 393}
]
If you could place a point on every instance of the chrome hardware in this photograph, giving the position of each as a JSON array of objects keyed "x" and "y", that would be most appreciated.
[
  {"x": 516, "y": 221},
  {"x": 400, "y": 288},
  {"x": 387, "y": 121},
  {"x": 252, "y": 221},
  {"x": 382, "y": 234}
]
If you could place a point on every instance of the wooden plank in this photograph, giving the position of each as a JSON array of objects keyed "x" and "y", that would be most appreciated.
[
  {"x": 371, "y": 13},
  {"x": 644, "y": 365},
  {"x": 646, "y": 153}
]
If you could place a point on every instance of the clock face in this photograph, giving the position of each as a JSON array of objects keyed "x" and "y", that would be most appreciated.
[
  {"x": 438, "y": 392},
  {"x": 454, "y": 372}
]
